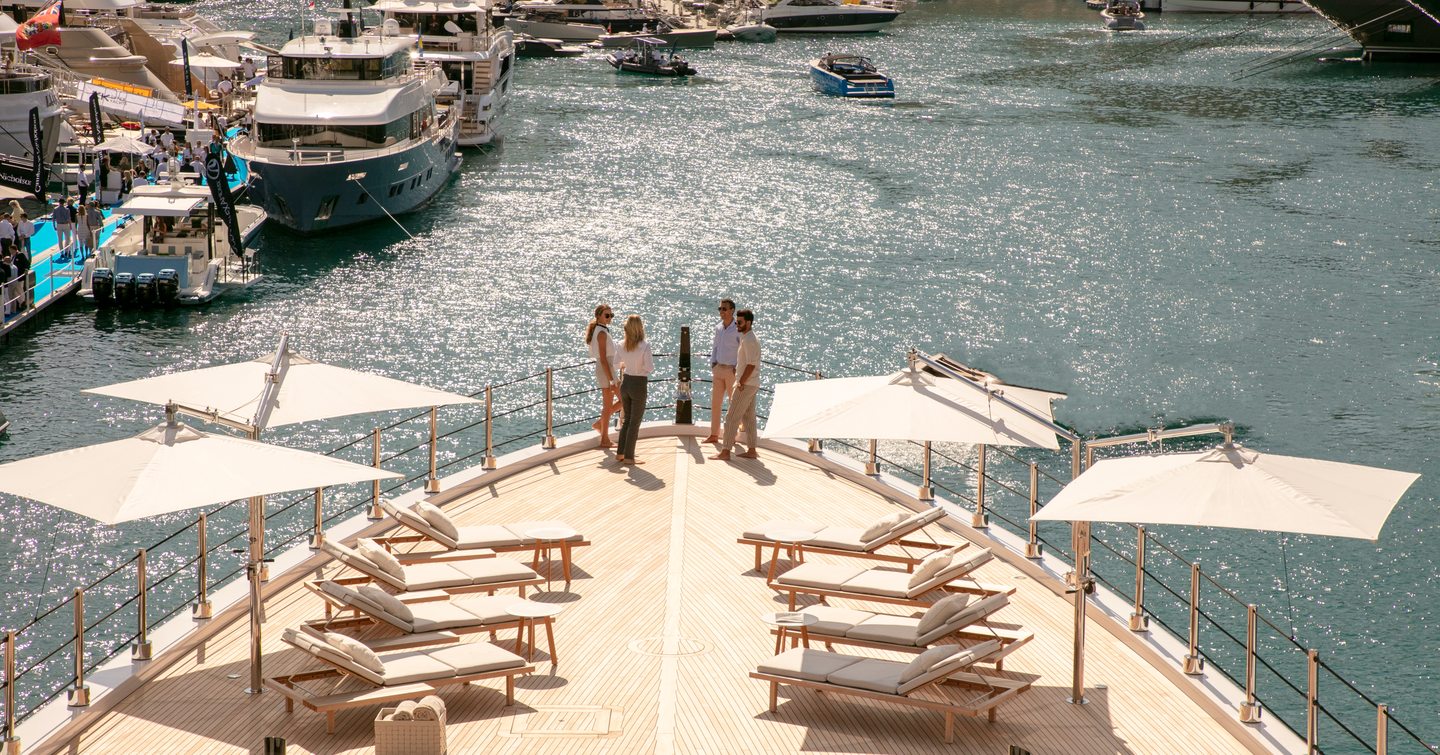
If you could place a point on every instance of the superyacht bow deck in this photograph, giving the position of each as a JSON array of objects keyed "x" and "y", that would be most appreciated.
[{"x": 659, "y": 631}]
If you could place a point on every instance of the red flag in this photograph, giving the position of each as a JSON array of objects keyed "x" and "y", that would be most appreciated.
[{"x": 41, "y": 30}]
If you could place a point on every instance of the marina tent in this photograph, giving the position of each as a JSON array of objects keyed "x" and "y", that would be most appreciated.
[
  {"x": 123, "y": 144},
  {"x": 306, "y": 391},
  {"x": 1233, "y": 486},
  {"x": 912, "y": 404},
  {"x": 170, "y": 468},
  {"x": 206, "y": 60}
]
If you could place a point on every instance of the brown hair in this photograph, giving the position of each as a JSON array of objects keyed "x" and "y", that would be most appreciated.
[
  {"x": 634, "y": 332},
  {"x": 594, "y": 322}
]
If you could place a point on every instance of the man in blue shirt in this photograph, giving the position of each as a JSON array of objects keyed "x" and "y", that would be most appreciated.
[{"x": 723, "y": 353}]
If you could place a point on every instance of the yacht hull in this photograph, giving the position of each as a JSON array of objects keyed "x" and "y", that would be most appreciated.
[
  {"x": 1227, "y": 6},
  {"x": 1384, "y": 28},
  {"x": 841, "y": 22},
  {"x": 310, "y": 197}
]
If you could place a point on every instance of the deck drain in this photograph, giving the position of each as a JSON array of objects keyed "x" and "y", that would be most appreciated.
[
  {"x": 566, "y": 721},
  {"x": 657, "y": 646}
]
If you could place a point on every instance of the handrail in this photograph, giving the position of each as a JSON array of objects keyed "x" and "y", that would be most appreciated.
[{"x": 534, "y": 427}]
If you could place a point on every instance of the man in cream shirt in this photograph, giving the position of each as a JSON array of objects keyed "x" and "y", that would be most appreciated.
[
  {"x": 722, "y": 365},
  {"x": 747, "y": 384}
]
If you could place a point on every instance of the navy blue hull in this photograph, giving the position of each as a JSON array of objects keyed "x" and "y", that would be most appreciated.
[{"x": 316, "y": 196}]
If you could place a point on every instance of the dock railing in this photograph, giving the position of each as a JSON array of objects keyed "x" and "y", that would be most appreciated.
[{"x": 51, "y": 654}]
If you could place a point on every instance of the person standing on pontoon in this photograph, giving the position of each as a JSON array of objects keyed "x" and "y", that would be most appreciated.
[
  {"x": 637, "y": 362},
  {"x": 722, "y": 365},
  {"x": 602, "y": 350},
  {"x": 747, "y": 384}
]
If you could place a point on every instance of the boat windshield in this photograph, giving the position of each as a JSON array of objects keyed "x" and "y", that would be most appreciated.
[
  {"x": 433, "y": 24},
  {"x": 349, "y": 136},
  {"x": 342, "y": 69}
]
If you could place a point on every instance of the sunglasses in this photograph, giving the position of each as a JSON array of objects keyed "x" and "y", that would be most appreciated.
[{"x": 608, "y": 314}]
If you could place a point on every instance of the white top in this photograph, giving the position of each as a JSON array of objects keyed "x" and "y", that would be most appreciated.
[
  {"x": 7, "y": 231},
  {"x": 530, "y": 609},
  {"x": 727, "y": 342},
  {"x": 26, "y": 229},
  {"x": 609, "y": 344},
  {"x": 748, "y": 354},
  {"x": 639, "y": 362}
]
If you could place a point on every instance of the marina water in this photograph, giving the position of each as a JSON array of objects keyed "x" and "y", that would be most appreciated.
[{"x": 1136, "y": 220}]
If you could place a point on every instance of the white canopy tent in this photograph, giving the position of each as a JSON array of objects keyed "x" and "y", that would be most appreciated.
[
  {"x": 124, "y": 145},
  {"x": 1233, "y": 486},
  {"x": 206, "y": 60},
  {"x": 171, "y": 468},
  {"x": 909, "y": 405},
  {"x": 304, "y": 391}
]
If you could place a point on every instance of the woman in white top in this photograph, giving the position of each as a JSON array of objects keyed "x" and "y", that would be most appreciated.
[
  {"x": 637, "y": 362},
  {"x": 602, "y": 350}
]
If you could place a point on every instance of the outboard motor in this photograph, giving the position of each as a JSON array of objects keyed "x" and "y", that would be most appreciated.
[
  {"x": 167, "y": 287},
  {"x": 102, "y": 285},
  {"x": 125, "y": 289},
  {"x": 145, "y": 290}
]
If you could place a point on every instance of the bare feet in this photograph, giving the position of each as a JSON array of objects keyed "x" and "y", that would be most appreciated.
[
  {"x": 597, "y": 425},
  {"x": 722, "y": 456},
  {"x": 711, "y": 439},
  {"x": 632, "y": 460},
  {"x": 749, "y": 455},
  {"x": 605, "y": 443},
  {"x": 619, "y": 458}
]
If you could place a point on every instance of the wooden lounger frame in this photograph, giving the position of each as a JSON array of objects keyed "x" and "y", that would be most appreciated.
[
  {"x": 1000, "y": 691},
  {"x": 418, "y": 557},
  {"x": 488, "y": 588},
  {"x": 1010, "y": 640},
  {"x": 361, "y": 618},
  {"x": 908, "y": 561},
  {"x": 289, "y": 687},
  {"x": 970, "y": 586}
]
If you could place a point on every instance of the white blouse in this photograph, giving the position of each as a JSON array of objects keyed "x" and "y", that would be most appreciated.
[{"x": 639, "y": 361}]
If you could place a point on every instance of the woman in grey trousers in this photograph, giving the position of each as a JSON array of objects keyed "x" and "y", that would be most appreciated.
[{"x": 637, "y": 362}]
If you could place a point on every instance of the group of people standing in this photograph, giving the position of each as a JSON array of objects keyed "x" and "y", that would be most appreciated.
[
  {"x": 16, "y": 228},
  {"x": 623, "y": 366}
]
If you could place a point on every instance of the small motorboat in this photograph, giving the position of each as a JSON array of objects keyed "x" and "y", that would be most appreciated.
[
  {"x": 850, "y": 76},
  {"x": 671, "y": 35},
  {"x": 648, "y": 56},
  {"x": 527, "y": 46},
  {"x": 758, "y": 31},
  {"x": 1123, "y": 15}
]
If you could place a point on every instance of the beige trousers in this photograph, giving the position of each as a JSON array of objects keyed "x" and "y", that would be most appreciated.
[
  {"x": 742, "y": 410},
  {"x": 722, "y": 379}
]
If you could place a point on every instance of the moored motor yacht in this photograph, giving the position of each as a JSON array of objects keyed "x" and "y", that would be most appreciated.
[
  {"x": 477, "y": 58},
  {"x": 1394, "y": 29},
  {"x": 850, "y": 76},
  {"x": 24, "y": 88},
  {"x": 176, "y": 249},
  {"x": 827, "y": 16},
  {"x": 553, "y": 25},
  {"x": 527, "y": 46},
  {"x": 348, "y": 129},
  {"x": 613, "y": 16}
]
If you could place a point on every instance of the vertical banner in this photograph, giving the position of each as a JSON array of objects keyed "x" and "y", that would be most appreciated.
[
  {"x": 185, "y": 58},
  {"x": 97, "y": 126},
  {"x": 220, "y": 192},
  {"x": 37, "y": 168}
]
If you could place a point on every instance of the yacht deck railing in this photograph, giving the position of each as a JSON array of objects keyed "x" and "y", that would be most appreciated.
[{"x": 53, "y": 652}]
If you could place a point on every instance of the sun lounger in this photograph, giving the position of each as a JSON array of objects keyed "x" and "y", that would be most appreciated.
[
  {"x": 393, "y": 676},
  {"x": 863, "y": 542},
  {"x": 953, "y": 617},
  {"x": 369, "y": 605},
  {"x": 897, "y": 682},
  {"x": 470, "y": 575},
  {"x": 943, "y": 571},
  {"x": 432, "y": 524}
]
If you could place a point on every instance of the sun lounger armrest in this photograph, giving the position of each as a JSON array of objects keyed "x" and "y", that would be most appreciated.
[
  {"x": 423, "y": 596},
  {"x": 412, "y": 640}
]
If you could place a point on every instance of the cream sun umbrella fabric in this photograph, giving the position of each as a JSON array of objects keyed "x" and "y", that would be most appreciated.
[
  {"x": 308, "y": 391},
  {"x": 171, "y": 468},
  {"x": 125, "y": 145},
  {"x": 909, "y": 405},
  {"x": 206, "y": 60},
  {"x": 1233, "y": 486}
]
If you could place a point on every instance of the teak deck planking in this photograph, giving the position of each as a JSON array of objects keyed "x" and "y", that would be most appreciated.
[{"x": 665, "y": 574}]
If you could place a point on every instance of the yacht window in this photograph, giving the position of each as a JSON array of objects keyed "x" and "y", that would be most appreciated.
[
  {"x": 429, "y": 173},
  {"x": 395, "y": 189},
  {"x": 1401, "y": 30},
  {"x": 363, "y": 198},
  {"x": 283, "y": 135},
  {"x": 284, "y": 208}
]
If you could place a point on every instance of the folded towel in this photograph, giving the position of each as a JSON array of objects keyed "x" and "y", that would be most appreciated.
[
  {"x": 404, "y": 711},
  {"x": 430, "y": 708}
]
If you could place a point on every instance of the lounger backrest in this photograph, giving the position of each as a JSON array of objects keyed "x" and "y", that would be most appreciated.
[
  {"x": 916, "y": 521},
  {"x": 956, "y": 662},
  {"x": 330, "y": 654},
  {"x": 960, "y": 565},
  {"x": 412, "y": 519},
  {"x": 355, "y": 599},
  {"x": 357, "y": 561}
]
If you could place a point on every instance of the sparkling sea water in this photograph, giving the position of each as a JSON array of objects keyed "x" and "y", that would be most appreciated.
[{"x": 1153, "y": 223}]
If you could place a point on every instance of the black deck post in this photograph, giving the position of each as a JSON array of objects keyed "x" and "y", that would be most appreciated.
[{"x": 683, "y": 403}]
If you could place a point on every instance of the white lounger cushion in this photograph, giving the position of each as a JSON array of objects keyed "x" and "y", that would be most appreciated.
[
  {"x": 434, "y": 616},
  {"x": 888, "y": 581},
  {"x": 842, "y": 538},
  {"x": 488, "y": 609},
  {"x": 882, "y": 526},
  {"x": 872, "y": 674},
  {"x": 825, "y": 576},
  {"x": 522, "y": 528},
  {"x": 962, "y": 565},
  {"x": 938, "y": 615},
  {"x": 381, "y": 558},
  {"x": 356, "y": 650},
  {"x": 473, "y": 658},
  {"x": 471, "y": 572},
  {"x": 883, "y": 627},
  {"x": 834, "y": 620},
  {"x": 931, "y": 566},
  {"x": 803, "y": 663},
  {"x": 758, "y": 531},
  {"x": 386, "y": 602},
  {"x": 922, "y": 663},
  {"x": 959, "y": 659},
  {"x": 437, "y": 519},
  {"x": 484, "y": 536}
]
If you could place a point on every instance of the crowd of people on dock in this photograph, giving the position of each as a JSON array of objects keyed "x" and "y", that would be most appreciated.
[{"x": 623, "y": 367}]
